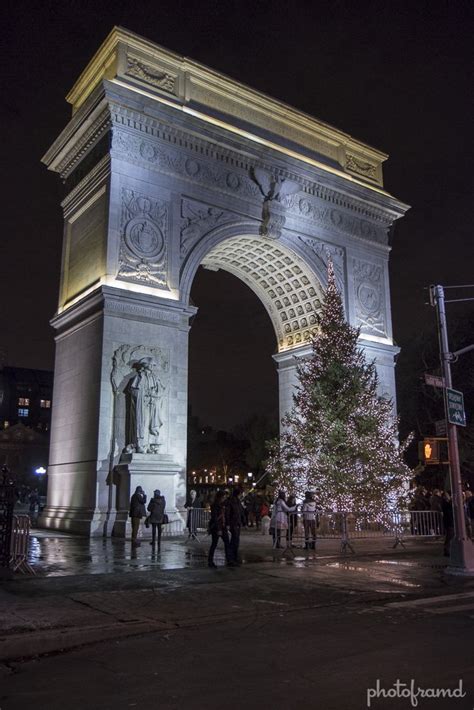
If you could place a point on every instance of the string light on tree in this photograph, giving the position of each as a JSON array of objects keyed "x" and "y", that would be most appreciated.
[{"x": 340, "y": 437}]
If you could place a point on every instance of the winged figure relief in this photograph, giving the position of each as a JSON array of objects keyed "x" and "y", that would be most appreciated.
[{"x": 273, "y": 188}]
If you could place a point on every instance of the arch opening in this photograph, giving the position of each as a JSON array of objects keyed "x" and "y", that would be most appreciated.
[
  {"x": 231, "y": 374},
  {"x": 288, "y": 289}
]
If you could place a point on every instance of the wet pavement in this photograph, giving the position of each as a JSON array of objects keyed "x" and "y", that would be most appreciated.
[
  {"x": 375, "y": 562},
  {"x": 313, "y": 629},
  {"x": 99, "y": 609}
]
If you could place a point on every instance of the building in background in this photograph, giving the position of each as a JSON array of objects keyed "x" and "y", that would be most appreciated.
[{"x": 25, "y": 418}]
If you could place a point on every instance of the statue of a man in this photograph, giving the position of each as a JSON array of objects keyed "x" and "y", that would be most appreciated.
[{"x": 145, "y": 420}]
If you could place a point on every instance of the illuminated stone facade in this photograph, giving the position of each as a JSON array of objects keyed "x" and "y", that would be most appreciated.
[{"x": 169, "y": 166}]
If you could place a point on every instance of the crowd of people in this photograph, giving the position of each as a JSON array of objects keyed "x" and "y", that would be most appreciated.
[
  {"x": 440, "y": 501},
  {"x": 230, "y": 511}
]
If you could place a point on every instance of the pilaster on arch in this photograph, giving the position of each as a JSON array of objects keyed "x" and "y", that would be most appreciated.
[{"x": 286, "y": 283}]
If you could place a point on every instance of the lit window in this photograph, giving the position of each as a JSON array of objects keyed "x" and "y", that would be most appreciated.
[
  {"x": 23, "y": 412},
  {"x": 23, "y": 402},
  {"x": 45, "y": 403},
  {"x": 6, "y": 424}
]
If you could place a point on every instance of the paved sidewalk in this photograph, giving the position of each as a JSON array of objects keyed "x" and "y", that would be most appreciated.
[{"x": 92, "y": 590}]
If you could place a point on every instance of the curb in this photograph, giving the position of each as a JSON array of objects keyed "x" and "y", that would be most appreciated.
[{"x": 28, "y": 645}]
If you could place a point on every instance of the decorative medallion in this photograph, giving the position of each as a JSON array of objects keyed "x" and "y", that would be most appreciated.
[
  {"x": 143, "y": 238},
  {"x": 369, "y": 298},
  {"x": 143, "y": 252}
]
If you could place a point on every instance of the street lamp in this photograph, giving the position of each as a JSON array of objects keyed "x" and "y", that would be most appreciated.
[{"x": 40, "y": 471}]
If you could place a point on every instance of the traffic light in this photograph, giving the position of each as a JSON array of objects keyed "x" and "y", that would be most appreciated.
[{"x": 428, "y": 451}]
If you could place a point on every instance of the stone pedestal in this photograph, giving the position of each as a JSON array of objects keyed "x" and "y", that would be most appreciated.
[{"x": 151, "y": 472}]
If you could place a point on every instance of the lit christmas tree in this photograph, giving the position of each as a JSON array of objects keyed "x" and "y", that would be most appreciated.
[{"x": 340, "y": 438}]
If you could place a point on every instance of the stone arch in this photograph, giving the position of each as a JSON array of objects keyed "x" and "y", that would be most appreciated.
[{"x": 169, "y": 165}]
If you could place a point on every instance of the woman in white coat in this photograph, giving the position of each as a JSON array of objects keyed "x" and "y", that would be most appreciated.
[{"x": 279, "y": 519}]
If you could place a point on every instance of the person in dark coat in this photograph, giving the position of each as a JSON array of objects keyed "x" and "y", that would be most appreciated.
[
  {"x": 156, "y": 508},
  {"x": 292, "y": 519},
  {"x": 448, "y": 520},
  {"x": 137, "y": 512},
  {"x": 192, "y": 505},
  {"x": 217, "y": 527},
  {"x": 234, "y": 518}
]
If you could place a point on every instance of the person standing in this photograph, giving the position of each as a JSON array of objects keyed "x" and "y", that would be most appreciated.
[
  {"x": 279, "y": 519},
  {"x": 156, "y": 508},
  {"x": 448, "y": 520},
  {"x": 234, "y": 518},
  {"x": 470, "y": 511},
  {"x": 137, "y": 512},
  {"x": 34, "y": 501},
  {"x": 292, "y": 519},
  {"x": 217, "y": 527},
  {"x": 192, "y": 505},
  {"x": 309, "y": 520}
]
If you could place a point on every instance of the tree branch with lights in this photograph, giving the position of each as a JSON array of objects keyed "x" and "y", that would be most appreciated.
[{"x": 340, "y": 437}]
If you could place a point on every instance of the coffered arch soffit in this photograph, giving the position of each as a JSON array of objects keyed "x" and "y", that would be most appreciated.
[{"x": 290, "y": 288}]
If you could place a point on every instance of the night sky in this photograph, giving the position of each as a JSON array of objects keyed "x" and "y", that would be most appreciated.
[{"x": 397, "y": 75}]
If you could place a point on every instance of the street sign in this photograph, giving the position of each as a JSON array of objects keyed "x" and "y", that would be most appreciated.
[
  {"x": 440, "y": 427},
  {"x": 434, "y": 380},
  {"x": 455, "y": 407}
]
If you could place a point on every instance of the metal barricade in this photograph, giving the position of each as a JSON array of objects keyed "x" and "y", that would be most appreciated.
[
  {"x": 302, "y": 530},
  {"x": 19, "y": 545},
  {"x": 197, "y": 522},
  {"x": 425, "y": 523}
]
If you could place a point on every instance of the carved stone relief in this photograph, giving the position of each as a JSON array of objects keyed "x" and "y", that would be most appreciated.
[
  {"x": 325, "y": 252},
  {"x": 178, "y": 162},
  {"x": 151, "y": 75},
  {"x": 281, "y": 196},
  {"x": 197, "y": 220},
  {"x": 134, "y": 365},
  {"x": 274, "y": 188},
  {"x": 316, "y": 211},
  {"x": 369, "y": 298},
  {"x": 361, "y": 167},
  {"x": 143, "y": 239}
]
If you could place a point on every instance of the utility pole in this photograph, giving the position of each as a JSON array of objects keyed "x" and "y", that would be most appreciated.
[{"x": 462, "y": 549}]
